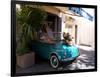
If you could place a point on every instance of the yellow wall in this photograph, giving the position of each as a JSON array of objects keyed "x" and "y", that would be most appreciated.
[{"x": 71, "y": 23}]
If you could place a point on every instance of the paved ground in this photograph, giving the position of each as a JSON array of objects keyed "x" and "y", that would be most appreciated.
[{"x": 84, "y": 61}]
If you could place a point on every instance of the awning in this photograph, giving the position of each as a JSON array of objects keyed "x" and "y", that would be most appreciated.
[{"x": 81, "y": 13}]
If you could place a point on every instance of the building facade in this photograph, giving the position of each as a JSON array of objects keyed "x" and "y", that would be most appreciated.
[{"x": 80, "y": 26}]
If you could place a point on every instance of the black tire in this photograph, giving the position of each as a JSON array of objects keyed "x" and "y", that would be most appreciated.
[{"x": 54, "y": 61}]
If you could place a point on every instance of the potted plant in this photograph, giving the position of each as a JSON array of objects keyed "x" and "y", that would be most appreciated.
[{"x": 28, "y": 23}]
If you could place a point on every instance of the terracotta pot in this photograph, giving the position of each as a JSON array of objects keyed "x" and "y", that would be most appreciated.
[{"x": 26, "y": 60}]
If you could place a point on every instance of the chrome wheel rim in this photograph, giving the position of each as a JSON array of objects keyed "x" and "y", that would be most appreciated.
[{"x": 54, "y": 61}]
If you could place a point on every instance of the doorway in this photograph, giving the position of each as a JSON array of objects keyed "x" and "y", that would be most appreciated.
[{"x": 54, "y": 22}]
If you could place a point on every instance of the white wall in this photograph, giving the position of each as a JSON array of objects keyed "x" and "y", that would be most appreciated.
[
  {"x": 85, "y": 31},
  {"x": 62, "y": 24}
]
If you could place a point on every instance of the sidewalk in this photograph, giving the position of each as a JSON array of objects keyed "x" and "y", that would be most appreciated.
[{"x": 87, "y": 48}]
